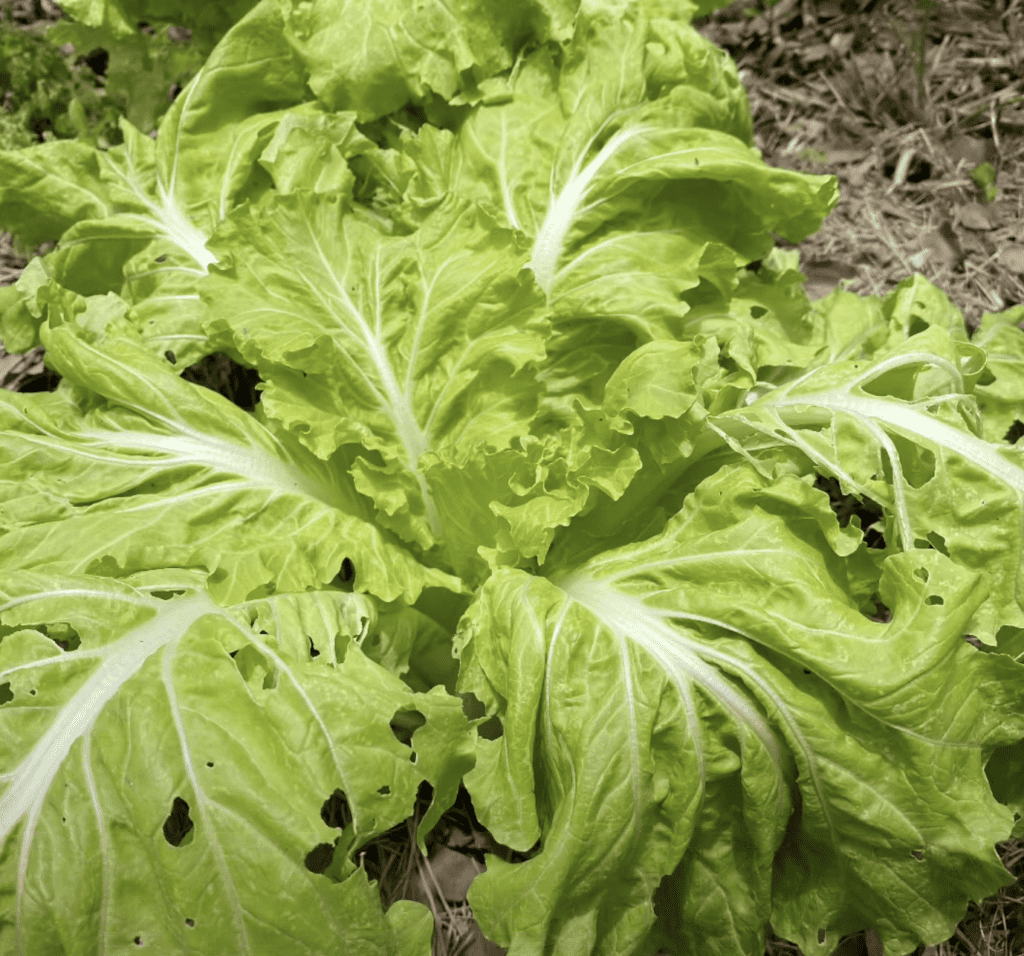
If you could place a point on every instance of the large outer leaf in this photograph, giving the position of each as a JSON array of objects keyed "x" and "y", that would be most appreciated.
[
  {"x": 904, "y": 430},
  {"x": 135, "y": 219},
  {"x": 157, "y": 710},
  {"x": 402, "y": 344},
  {"x": 140, "y": 469},
  {"x": 999, "y": 391},
  {"x": 375, "y": 56},
  {"x": 626, "y": 161},
  {"x": 664, "y": 703},
  {"x": 122, "y": 17}
]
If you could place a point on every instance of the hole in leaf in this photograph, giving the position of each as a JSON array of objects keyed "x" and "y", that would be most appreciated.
[
  {"x": 189, "y": 922},
  {"x": 97, "y": 61},
  {"x": 171, "y": 357},
  {"x": 756, "y": 311},
  {"x": 137, "y": 941},
  {"x": 313, "y": 652},
  {"x": 874, "y": 539},
  {"x": 938, "y": 542},
  {"x": 847, "y": 506},
  {"x": 1014, "y": 432},
  {"x": 405, "y": 723},
  {"x": 336, "y": 812},
  {"x": 223, "y": 375},
  {"x": 45, "y": 381},
  {"x": 472, "y": 706},
  {"x": 5, "y": 693},
  {"x": 917, "y": 854},
  {"x": 64, "y": 636},
  {"x": 178, "y": 826},
  {"x": 882, "y": 614},
  {"x": 921, "y": 574},
  {"x": 209, "y": 763},
  {"x": 319, "y": 858},
  {"x": 254, "y": 668},
  {"x": 821, "y": 937},
  {"x": 491, "y": 729},
  {"x": 933, "y": 599},
  {"x": 384, "y": 791}
]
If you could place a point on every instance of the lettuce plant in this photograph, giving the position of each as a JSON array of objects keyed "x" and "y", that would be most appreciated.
[{"x": 558, "y": 487}]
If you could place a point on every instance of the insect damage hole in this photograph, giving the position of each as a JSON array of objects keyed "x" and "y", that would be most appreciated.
[
  {"x": 336, "y": 811},
  {"x": 178, "y": 826},
  {"x": 404, "y": 723},
  {"x": 319, "y": 858}
]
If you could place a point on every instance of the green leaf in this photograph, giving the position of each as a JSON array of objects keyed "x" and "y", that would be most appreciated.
[
  {"x": 136, "y": 469},
  {"x": 674, "y": 700},
  {"x": 340, "y": 317},
  {"x": 904, "y": 430},
  {"x": 146, "y": 756},
  {"x": 374, "y": 57}
]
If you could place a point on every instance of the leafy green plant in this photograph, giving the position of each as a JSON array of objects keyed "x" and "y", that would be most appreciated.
[
  {"x": 46, "y": 94},
  {"x": 153, "y": 46},
  {"x": 558, "y": 486},
  {"x": 984, "y": 177}
]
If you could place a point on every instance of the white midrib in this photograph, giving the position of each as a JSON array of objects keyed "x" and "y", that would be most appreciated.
[
  {"x": 550, "y": 241},
  {"x": 28, "y": 785},
  {"x": 905, "y": 418},
  {"x": 248, "y": 462}
]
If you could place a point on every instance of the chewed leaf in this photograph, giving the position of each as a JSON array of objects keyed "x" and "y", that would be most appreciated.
[
  {"x": 163, "y": 473},
  {"x": 903, "y": 429},
  {"x": 676, "y": 699},
  {"x": 174, "y": 739}
]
